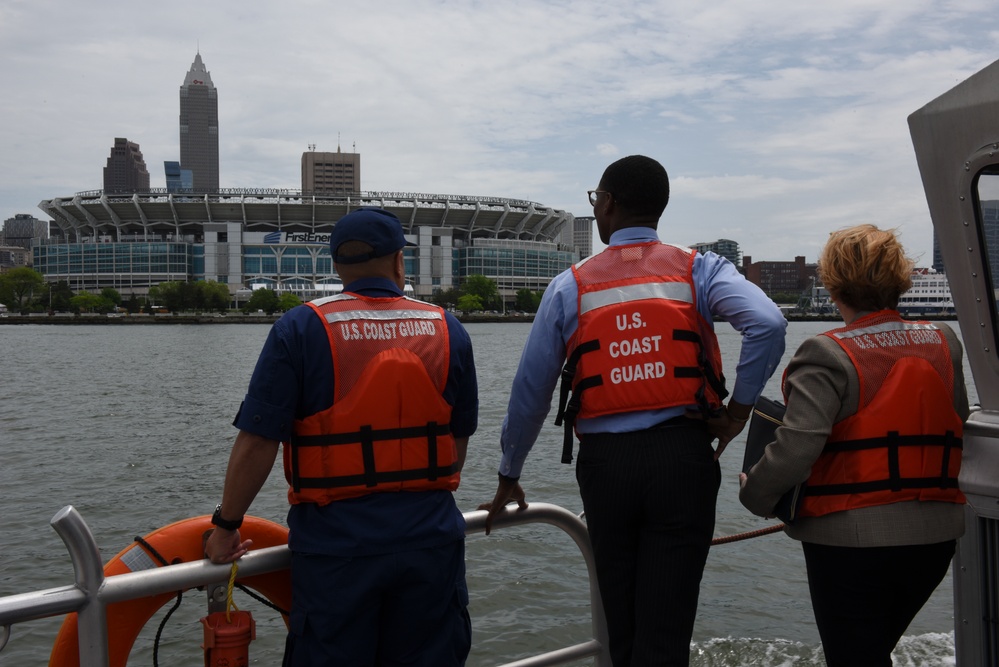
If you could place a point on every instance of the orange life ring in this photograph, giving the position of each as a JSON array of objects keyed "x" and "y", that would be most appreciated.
[{"x": 180, "y": 542}]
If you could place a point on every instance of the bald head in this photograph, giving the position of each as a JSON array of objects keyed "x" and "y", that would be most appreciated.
[{"x": 391, "y": 267}]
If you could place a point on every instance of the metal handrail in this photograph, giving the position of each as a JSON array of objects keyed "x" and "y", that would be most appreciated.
[{"x": 92, "y": 591}]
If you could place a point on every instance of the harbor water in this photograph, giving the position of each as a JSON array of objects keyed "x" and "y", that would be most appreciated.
[{"x": 132, "y": 426}]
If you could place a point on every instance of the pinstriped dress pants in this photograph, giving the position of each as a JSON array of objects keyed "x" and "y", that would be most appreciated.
[{"x": 649, "y": 498}]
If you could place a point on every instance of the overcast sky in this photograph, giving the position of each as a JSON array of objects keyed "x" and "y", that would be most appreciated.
[{"x": 778, "y": 121}]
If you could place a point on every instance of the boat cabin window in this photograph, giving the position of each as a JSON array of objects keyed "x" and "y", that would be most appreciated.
[{"x": 987, "y": 195}]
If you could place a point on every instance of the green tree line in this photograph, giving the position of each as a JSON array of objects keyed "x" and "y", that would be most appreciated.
[
  {"x": 25, "y": 290},
  {"x": 478, "y": 293}
]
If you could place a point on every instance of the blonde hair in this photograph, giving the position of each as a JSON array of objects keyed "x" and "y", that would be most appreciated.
[{"x": 865, "y": 267}]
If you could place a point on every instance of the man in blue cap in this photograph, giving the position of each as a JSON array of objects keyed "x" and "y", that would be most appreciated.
[{"x": 374, "y": 397}]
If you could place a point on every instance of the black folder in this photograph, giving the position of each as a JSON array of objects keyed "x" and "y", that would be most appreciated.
[{"x": 767, "y": 416}]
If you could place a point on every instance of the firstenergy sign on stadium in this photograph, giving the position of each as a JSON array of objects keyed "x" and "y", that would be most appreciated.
[{"x": 285, "y": 238}]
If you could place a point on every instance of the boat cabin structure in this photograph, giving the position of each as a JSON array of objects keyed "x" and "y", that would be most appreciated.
[{"x": 956, "y": 139}]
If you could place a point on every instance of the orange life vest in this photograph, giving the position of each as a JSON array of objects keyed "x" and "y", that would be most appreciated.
[
  {"x": 904, "y": 442},
  {"x": 641, "y": 343},
  {"x": 389, "y": 426}
]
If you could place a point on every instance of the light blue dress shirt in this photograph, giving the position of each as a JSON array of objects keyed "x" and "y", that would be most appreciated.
[{"x": 721, "y": 292}]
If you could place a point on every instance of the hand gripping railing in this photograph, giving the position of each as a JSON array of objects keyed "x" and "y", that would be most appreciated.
[{"x": 92, "y": 592}]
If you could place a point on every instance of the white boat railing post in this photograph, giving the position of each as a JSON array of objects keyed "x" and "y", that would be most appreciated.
[
  {"x": 598, "y": 646},
  {"x": 89, "y": 575}
]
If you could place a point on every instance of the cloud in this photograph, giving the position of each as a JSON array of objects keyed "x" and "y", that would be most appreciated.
[{"x": 775, "y": 120}]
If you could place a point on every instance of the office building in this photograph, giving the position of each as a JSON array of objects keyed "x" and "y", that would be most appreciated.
[
  {"x": 331, "y": 173},
  {"x": 126, "y": 171},
  {"x": 199, "y": 127},
  {"x": 12, "y": 257},
  {"x": 779, "y": 277},
  {"x": 178, "y": 179},
  {"x": 22, "y": 229}
]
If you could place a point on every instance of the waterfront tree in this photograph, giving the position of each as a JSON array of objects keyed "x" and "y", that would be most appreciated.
[
  {"x": 58, "y": 296},
  {"x": 133, "y": 304},
  {"x": 166, "y": 294},
  {"x": 287, "y": 301},
  {"x": 264, "y": 299},
  {"x": 469, "y": 303},
  {"x": 446, "y": 298},
  {"x": 214, "y": 295},
  {"x": 482, "y": 287},
  {"x": 18, "y": 286},
  {"x": 112, "y": 295},
  {"x": 527, "y": 300},
  {"x": 85, "y": 302}
]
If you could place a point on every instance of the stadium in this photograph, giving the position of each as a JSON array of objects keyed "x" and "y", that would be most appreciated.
[{"x": 251, "y": 238}]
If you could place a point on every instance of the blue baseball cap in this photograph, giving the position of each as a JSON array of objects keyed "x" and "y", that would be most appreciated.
[{"x": 377, "y": 227}]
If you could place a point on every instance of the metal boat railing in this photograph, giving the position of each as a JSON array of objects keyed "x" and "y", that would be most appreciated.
[{"x": 92, "y": 592}]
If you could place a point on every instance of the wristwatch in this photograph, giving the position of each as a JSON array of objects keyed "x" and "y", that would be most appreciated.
[{"x": 223, "y": 523}]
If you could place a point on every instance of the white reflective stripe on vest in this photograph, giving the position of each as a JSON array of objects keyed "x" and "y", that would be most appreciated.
[
  {"x": 347, "y": 315},
  {"x": 885, "y": 327},
  {"x": 608, "y": 297}
]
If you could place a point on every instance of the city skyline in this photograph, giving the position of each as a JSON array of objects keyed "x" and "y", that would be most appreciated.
[{"x": 778, "y": 123}]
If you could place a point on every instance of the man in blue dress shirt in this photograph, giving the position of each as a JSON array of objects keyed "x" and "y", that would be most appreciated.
[
  {"x": 634, "y": 323},
  {"x": 378, "y": 572}
]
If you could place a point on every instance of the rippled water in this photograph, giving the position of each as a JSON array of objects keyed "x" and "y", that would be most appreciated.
[{"x": 131, "y": 425}]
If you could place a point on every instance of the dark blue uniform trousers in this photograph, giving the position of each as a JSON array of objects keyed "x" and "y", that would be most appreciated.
[
  {"x": 649, "y": 498},
  {"x": 407, "y": 608},
  {"x": 865, "y": 597}
]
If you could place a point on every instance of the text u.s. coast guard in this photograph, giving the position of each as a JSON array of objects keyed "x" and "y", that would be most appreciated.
[{"x": 386, "y": 330}]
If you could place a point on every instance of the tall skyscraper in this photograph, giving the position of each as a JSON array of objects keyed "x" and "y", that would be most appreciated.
[
  {"x": 328, "y": 173},
  {"x": 126, "y": 169},
  {"x": 199, "y": 127}
]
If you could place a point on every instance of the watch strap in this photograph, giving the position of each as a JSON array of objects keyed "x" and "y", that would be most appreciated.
[{"x": 217, "y": 520}]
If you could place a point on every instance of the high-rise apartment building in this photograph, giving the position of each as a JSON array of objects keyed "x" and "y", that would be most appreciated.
[
  {"x": 126, "y": 169},
  {"x": 727, "y": 248},
  {"x": 582, "y": 235},
  {"x": 199, "y": 127},
  {"x": 331, "y": 173}
]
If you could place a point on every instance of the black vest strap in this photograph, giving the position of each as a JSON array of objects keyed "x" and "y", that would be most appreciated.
[
  {"x": 568, "y": 407},
  {"x": 704, "y": 370},
  {"x": 572, "y": 410},
  {"x": 368, "y": 454},
  {"x": 354, "y": 437},
  {"x": 893, "y": 443},
  {"x": 431, "y": 451},
  {"x": 366, "y": 437},
  {"x": 894, "y": 473},
  {"x": 948, "y": 446},
  {"x": 881, "y": 485},
  {"x": 947, "y": 440}
]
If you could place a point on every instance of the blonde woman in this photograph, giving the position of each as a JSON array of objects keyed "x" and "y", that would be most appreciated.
[{"x": 875, "y": 411}]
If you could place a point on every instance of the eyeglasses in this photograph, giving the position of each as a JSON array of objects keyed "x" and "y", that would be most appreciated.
[{"x": 593, "y": 195}]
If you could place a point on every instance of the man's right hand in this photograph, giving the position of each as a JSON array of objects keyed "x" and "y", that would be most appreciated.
[
  {"x": 508, "y": 490},
  {"x": 224, "y": 546}
]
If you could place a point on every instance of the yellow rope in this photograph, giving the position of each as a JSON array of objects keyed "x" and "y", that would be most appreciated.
[{"x": 229, "y": 604}]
